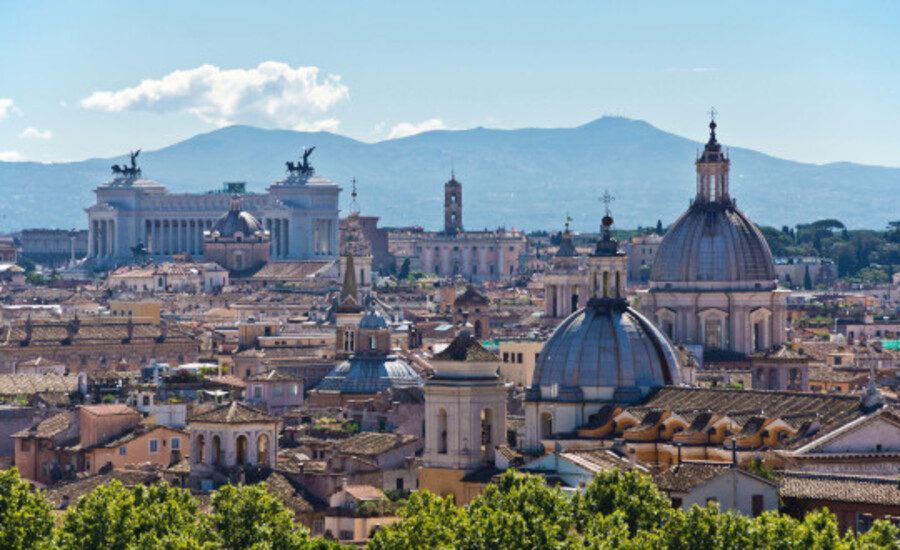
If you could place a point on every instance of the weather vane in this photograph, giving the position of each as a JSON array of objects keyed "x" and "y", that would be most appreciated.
[
  {"x": 607, "y": 199},
  {"x": 712, "y": 113}
]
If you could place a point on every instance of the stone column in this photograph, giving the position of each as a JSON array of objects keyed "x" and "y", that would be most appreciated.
[{"x": 287, "y": 243}]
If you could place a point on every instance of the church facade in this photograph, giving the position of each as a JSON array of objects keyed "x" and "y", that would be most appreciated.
[
  {"x": 713, "y": 282},
  {"x": 299, "y": 212},
  {"x": 475, "y": 256}
]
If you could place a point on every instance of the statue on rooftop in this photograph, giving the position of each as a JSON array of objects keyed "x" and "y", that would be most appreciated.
[{"x": 302, "y": 169}]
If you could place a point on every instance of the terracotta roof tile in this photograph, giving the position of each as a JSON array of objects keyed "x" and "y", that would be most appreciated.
[
  {"x": 110, "y": 409},
  {"x": 364, "y": 492},
  {"x": 840, "y": 488},
  {"x": 373, "y": 444},
  {"x": 47, "y": 428},
  {"x": 234, "y": 413},
  {"x": 466, "y": 348},
  {"x": 683, "y": 477}
]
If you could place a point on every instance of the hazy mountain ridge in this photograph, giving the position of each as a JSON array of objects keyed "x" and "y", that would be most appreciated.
[{"x": 525, "y": 178}]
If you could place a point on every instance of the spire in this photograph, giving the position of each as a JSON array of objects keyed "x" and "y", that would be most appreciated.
[
  {"x": 349, "y": 301},
  {"x": 712, "y": 170},
  {"x": 354, "y": 206},
  {"x": 607, "y": 245},
  {"x": 566, "y": 244}
]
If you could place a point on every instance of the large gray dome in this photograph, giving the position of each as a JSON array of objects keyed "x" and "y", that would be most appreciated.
[
  {"x": 713, "y": 242},
  {"x": 604, "y": 351}
]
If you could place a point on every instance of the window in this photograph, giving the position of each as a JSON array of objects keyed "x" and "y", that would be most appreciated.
[
  {"x": 154, "y": 446},
  {"x": 757, "y": 505},
  {"x": 344, "y": 534},
  {"x": 277, "y": 390},
  {"x": 318, "y": 526},
  {"x": 123, "y": 450},
  {"x": 399, "y": 483},
  {"x": 506, "y": 357},
  {"x": 26, "y": 445},
  {"x": 176, "y": 443},
  {"x": 257, "y": 392},
  {"x": 295, "y": 389},
  {"x": 519, "y": 358},
  {"x": 713, "y": 333},
  {"x": 676, "y": 502},
  {"x": 372, "y": 343},
  {"x": 710, "y": 500}
]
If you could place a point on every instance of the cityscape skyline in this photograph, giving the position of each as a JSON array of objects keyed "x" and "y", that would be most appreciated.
[{"x": 817, "y": 89}]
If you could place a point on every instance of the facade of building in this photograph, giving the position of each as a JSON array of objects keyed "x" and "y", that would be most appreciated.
[
  {"x": 713, "y": 281},
  {"x": 237, "y": 241},
  {"x": 476, "y": 256},
  {"x": 300, "y": 213},
  {"x": 53, "y": 247},
  {"x": 565, "y": 285}
]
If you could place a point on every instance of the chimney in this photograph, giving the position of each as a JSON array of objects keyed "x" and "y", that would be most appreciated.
[
  {"x": 679, "y": 453},
  {"x": 163, "y": 330},
  {"x": 129, "y": 331},
  {"x": 29, "y": 329},
  {"x": 734, "y": 456}
]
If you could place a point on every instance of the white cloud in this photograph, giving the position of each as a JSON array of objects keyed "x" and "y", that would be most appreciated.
[
  {"x": 327, "y": 125},
  {"x": 273, "y": 94},
  {"x": 11, "y": 156},
  {"x": 405, "y": 129},
  {"x": 34, "y": 133},
  {"x": 7, "y": 107}
]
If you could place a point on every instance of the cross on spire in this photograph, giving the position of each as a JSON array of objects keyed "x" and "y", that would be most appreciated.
[
  {"x": 568, "y": 219},
  {"x": 354, "y": 206},
  {"x": 712, "y": 114},
  {"x": 607, "y": 198}
]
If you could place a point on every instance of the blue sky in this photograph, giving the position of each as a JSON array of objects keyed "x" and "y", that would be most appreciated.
[{"x": 808, "y": 81}]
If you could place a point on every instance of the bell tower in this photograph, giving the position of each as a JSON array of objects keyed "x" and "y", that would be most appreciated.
[
  {"x": 453, "y": 206},
  {"x": 607, "y": 266},
  {"x": 712, "y": 170}
]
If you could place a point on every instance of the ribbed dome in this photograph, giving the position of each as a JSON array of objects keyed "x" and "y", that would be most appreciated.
[
  {"x": 713, "y": 242},
  {"x": 605, "y": 351},
  {"x": 237, "y": 220},
  {"x": 367, "y": 374},
  {"x": 373, "y": 320}
]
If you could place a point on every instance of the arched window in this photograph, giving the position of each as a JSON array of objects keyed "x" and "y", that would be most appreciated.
[
  {"x": 201, "y": 449},
  {"x": 262, "y": 449},
  {"x": 546, "y": 425},
  {"x": 217, "y": 451},
  {"x": 442, "y": 431},
  {"x": 487, "y": 427},
  {"x": 241, "y": 447}
]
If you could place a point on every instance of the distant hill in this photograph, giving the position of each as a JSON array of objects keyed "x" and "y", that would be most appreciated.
[{"x": 527, "y": 178}]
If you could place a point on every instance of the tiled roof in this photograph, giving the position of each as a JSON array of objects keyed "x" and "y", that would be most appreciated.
[
  {"x": 466, "y": 348},
  {"x": 840, "y": 488},
  {"x": 234, "y": 413},
  {"x": 30, "y": 384},
  {"x": 682, "y": 478},
  {"x": 373, "y": 444},
  {"x": 272, "y": 376},
  {"x": 597, "y": 461},
  {"x": 832, "y": 411},
  {"x": 48, "y": 427},
  {"x": 81, "y": 487},
  {"x": 364, "y": 492},
  {"x": 783, "y": 353},
  {"x": 110, "y": 409},
  {"x": 53, "y": 333},
  {"x": 292, "y": 495},
  {"x": 471, "y": 296},
  {"x": 292, "y": 270}
]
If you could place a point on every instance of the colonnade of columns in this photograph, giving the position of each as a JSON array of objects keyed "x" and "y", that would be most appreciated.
[
  {"x": 323, "y": 238},
  {"x": 168, "y": 236},
  {"x": 279, "y": 232},
  {"x": 101, "y": 239}
]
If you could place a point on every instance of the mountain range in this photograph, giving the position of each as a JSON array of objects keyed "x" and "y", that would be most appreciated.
[{"x": 526, "y": 178}]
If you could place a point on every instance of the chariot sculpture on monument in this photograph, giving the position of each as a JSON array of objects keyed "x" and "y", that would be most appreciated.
[
  {"x": 128, "y": 172},
  {"x": 302, "y": 169}
]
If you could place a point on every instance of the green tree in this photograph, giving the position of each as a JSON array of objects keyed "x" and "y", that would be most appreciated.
[
  {"x": 404, "y": 270},
  {"x": 518, "y": 512},
  {"x": 25, "y": 519},
  {"x": 249, "y": 517},
  {"x": 156, "y": 516},
  {"x": 632, "y": 493},
  {"x": 429, "y": 521}
]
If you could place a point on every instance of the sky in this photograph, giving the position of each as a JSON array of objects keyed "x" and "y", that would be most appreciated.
[{"x": 807, "y": 81}]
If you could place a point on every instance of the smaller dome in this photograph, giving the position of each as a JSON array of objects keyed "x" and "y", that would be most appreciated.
[
  {"x": 373, "y": 320},
  {"x": 361, "y": 374},
  {"x": 237, "y": 220}
]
